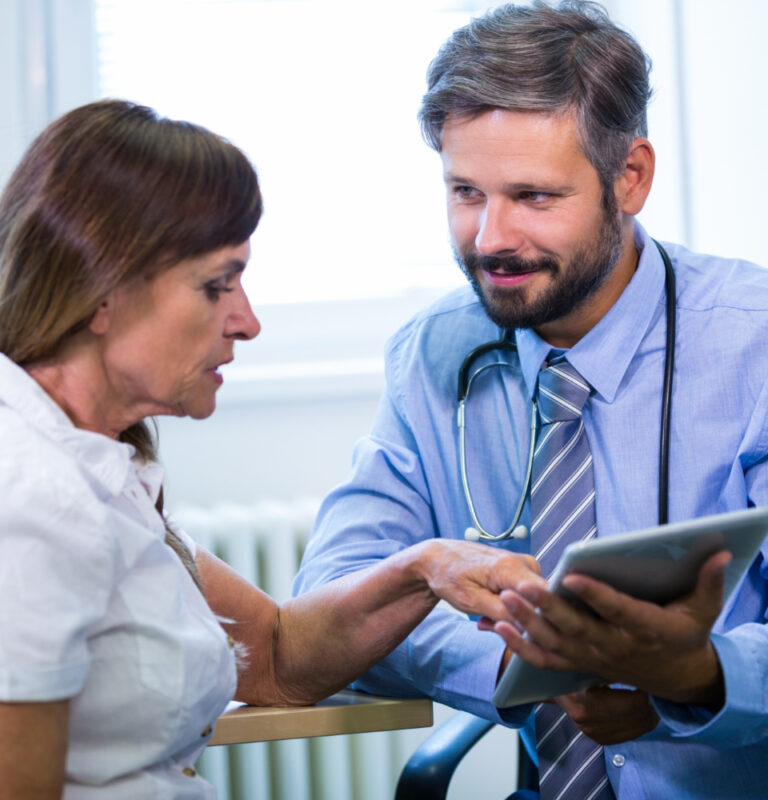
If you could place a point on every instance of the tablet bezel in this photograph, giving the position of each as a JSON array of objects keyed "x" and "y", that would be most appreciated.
[{"x": 678, "y": 550}]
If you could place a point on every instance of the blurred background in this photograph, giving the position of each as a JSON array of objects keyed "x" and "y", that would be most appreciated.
[{"x": 322, "y": 95}]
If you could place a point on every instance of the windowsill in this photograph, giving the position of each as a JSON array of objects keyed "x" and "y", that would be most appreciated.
[
  {"x": 302, "y": 380},
  {"x": 320, "y": 350}
]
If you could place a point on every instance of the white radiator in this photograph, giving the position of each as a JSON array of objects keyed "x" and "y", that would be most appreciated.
[{"x": 264, "y": 543}]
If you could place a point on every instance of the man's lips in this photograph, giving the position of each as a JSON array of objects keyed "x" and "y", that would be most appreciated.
[{"x": 505, "y": 279}]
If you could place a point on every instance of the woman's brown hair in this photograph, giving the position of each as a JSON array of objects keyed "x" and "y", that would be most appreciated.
[{"x": 108, "y": 193}]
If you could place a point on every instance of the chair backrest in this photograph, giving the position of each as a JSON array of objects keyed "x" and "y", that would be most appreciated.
[{"x": 429, "y": 770}]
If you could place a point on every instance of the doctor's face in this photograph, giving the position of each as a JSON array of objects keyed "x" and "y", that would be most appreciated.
[{"x": 527, "y": 218}]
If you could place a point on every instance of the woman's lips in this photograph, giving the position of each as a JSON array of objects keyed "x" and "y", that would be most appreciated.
[{"x": 216, "y": 375}]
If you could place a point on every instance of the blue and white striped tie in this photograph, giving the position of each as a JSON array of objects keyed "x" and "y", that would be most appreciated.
[{"x": 571, "y": 766}]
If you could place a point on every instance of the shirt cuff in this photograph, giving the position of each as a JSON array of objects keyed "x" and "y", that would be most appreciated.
[
  {"x": 742, "y": 710},
  {"x": 481, "y": 674},
  {"x": 42, "y": 684}
]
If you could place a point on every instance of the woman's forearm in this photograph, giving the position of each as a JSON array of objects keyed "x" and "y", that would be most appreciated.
[
  {"x": 33, "y": 750},
  {"x": 351, "y": 623}
]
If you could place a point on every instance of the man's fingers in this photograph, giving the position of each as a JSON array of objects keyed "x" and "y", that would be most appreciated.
[
  {"x": 610, "y": 716},
  {"x": 711, "y": 582},
  {"x": 528, "y": 650}
]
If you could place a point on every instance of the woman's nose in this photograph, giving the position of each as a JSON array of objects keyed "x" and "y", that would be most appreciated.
[{"x": 243, "y": 323}]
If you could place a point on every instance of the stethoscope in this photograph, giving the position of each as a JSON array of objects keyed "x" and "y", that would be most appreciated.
[{"x": 507, "y": 344}]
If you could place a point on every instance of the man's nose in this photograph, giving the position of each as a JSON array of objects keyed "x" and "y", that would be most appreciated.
[{"x": 500, "y": 230}]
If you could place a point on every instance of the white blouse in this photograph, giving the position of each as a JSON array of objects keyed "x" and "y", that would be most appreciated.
[{"x": 94, "y": 606}]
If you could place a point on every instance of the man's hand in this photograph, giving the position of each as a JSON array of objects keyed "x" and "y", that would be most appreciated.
[
  {"x": 663, "y": 650},
  {"x": 609, "y": 716}
]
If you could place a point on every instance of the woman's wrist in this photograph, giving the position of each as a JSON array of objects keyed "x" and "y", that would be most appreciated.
[{"x": 426, "y": 556}]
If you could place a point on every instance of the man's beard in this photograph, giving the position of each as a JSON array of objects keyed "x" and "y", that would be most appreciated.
[{"x": 572, "y": 283}]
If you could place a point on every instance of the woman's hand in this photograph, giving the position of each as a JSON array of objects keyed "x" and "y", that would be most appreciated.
[{"x": 471, "y": 576}]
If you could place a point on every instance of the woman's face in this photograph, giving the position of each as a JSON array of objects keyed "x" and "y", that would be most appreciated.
[{"x": 166, "y": 336}]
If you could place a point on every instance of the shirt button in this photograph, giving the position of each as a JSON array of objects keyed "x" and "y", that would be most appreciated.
[
  {"x": 189, "y": 772},
  {"x": 618, "y": 760},
  {"x": 206, "y": 731},
  {"x": 230, "y": 641}
]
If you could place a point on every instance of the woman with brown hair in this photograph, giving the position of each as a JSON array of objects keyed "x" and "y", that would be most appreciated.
[{"x": 123, "y": 239}]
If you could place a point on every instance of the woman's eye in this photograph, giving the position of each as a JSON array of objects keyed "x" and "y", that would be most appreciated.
[{"x": 214, "y": 290}]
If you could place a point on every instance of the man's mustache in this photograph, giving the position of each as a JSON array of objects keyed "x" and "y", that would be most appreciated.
[{"x": 511, "y": 265}]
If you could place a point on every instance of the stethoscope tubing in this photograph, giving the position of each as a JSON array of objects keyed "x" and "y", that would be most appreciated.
[{"x": 506, "y": 343}]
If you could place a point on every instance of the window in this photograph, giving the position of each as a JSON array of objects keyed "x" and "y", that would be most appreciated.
[{"x": 323, "y": 98}]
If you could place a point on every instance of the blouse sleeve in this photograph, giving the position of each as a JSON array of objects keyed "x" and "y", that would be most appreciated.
[{"x": 56, "y": 574}]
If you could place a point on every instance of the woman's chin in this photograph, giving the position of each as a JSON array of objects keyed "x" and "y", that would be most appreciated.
[{"x": 198, "y": 407}]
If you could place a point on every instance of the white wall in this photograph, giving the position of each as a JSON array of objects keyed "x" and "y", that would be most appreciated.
[
  {"x": 708, "y": 120},
  {"x": 47, "y": 66}
]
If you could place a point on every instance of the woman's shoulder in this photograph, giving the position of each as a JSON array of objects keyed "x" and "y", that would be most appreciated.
[{"x": 44, "y": 488}]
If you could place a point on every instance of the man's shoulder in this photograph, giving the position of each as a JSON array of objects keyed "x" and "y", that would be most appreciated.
[
  {"x": 707, "y": 282},
  {"x": 450, "y": 322},
  {"x": 431, "y": 346}
]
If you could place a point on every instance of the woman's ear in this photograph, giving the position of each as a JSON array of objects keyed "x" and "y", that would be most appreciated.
[
  {"x": 99, "y": 322},
  {"x": 634, "y": 183}
]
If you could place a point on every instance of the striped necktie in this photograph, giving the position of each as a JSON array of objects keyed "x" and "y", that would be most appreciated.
[{"x": 571, "y": 766}]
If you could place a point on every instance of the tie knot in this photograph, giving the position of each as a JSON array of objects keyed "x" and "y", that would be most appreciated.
[{"x": 561, "y": 392}]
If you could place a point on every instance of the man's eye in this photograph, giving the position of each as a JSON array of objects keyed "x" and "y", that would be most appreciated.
[
  {"x": 465, "y": 192},
  {"x": 534, "y": 197}
]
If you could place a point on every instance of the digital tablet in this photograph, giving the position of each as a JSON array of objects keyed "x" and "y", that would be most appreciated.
[{"x": 655, "y": 564}]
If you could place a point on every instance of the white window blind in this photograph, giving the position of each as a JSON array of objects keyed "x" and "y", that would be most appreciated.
[{"x": 323, "y": 97}]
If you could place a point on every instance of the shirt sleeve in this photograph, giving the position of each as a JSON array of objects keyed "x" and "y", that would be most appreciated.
[
  {"x": 383, "y": 508},
  {"x": 56, "y": 571},
  {"x": 740, "y": 634}
]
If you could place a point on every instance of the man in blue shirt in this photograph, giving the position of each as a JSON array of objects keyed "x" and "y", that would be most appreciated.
[{"x": 539, "y": 117}]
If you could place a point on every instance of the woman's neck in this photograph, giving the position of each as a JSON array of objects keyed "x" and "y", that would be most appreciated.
[{"x": 77, "y": 382}]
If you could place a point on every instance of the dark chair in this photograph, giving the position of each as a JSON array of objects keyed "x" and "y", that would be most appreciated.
[{"x": 429, "y": 770}]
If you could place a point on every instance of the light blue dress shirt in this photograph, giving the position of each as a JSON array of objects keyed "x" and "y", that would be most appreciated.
[{"x": 405, "y": 487}]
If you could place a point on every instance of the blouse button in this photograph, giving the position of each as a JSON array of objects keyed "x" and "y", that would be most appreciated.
[
  {"x": 189, "y": 772},
  {"x": 206, "y": 731},
  {"x": 230, "y": 641},
  {"x": 618, "y": 760}
]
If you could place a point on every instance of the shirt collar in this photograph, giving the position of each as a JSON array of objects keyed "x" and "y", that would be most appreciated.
[
  {"x": 602, "y": 357},
  {"x": 107, "y": 462}
]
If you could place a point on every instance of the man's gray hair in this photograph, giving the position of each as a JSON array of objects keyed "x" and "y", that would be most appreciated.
[{"x": 545, "y": 59}]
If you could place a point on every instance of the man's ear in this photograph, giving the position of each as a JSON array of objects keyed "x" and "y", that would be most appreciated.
[{"x": 634, "y": 183}]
